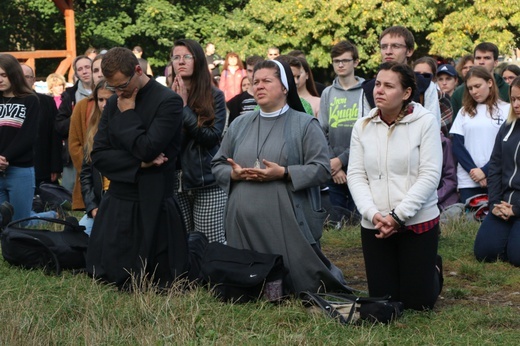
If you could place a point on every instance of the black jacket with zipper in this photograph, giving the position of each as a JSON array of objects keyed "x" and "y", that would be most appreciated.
[
  {"x": 200, "y": 144},
  {"x": 504, "y": 168},
  {"x": 91, "y": 186}
]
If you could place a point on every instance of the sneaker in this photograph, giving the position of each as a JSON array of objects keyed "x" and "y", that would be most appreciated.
[{"x": 6, "y": 214}]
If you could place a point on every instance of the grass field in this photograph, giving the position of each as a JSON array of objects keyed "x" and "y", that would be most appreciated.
[{"x": 480, "y": 305}]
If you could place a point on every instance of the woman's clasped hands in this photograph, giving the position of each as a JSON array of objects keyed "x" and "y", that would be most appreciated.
[
  {"x": 272, "y": 171},
  {"x": 386, "y": 225},
  {"x": 503, "y": 210}
]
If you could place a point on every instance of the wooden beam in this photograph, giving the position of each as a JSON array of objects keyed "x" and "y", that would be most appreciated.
[
  {"x": 63, "y": 5},
  {"x": 38, "y": 54},
  {"x": 67, "y": 9},
  {"x": 64, "y": 66}
]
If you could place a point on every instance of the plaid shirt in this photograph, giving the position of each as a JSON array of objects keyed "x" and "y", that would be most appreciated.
[{"x": 423, "y": 226}]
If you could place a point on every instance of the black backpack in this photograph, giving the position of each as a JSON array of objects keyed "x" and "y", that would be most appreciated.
[
  {"x": 54, "y": 196},
  {"x": 240, "y": 275},
  {"x": 42, "y": 248}
]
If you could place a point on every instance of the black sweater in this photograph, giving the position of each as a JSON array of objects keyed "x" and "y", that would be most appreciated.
[{"x": 18, "y": 129}]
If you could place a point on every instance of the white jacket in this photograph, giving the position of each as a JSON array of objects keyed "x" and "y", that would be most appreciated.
[{"x": 398, "y": 170}]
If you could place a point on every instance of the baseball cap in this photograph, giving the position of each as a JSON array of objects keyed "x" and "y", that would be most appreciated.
[{"x": 448, "y": 69}]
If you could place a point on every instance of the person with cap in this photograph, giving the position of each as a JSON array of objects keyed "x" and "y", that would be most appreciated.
[
  {"x": 277, "y": 156},
  {"x": 447, "y": 79}
]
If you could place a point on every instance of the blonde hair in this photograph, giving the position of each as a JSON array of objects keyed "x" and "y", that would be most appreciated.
[
  {"x": 512, "y": 116},
  {"x": 93, "y": 122},
  {"x": 55, "y": 79}
]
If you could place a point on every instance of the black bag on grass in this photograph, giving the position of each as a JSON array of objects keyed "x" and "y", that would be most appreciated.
[
  {"x": 41, "y": 248},
  {"x": 349, "y": 309},
  {"x": 242, "y": 275},
  {"x": 54, "y": 196}
]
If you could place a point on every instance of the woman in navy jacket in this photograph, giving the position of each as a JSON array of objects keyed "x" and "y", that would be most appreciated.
[{"x": 499, "y": 234}]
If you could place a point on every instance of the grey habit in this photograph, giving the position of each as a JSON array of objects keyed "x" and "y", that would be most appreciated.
[{"x": 262, "y": 216}]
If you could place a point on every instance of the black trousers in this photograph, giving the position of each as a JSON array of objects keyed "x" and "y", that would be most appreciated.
[{"x": 403, "y": 266}]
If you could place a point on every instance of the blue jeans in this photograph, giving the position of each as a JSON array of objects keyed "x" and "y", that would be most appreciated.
[
  {"x": 51, "y": 214},
  {"x": 342, "y": 201},
  {"x": 498, "y": 239},
  {"x": 88, "y": 222},
  {"x": 17, "y": 187}
]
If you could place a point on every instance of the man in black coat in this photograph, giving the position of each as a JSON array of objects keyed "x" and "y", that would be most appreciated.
[{"x": 138, "y": 231}]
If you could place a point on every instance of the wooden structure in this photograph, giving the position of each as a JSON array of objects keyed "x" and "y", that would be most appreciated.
[{"x": 29, "y": 57}]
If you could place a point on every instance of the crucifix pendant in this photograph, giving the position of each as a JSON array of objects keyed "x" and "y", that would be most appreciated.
[{"x": 257, "y": 164}]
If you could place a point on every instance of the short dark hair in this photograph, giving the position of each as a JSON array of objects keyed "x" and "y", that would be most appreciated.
[
  {"x": 253, "y": 60},
  {"x": 343, "y": 47},
  {"x": 290, "y": 60},
  {"x": 119, "y": 59},
  {"x": 399, "y": 30},
  {"x": 487, "y": 47},
  {"x": 138, "y": 49},
  {"x": 512, "y": 68},
  {"x": 296, "y": 53},
  {"x": 429, "y": 61}
]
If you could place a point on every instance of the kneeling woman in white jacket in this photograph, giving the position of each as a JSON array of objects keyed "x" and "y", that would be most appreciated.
[{"x": 393, "y": 174}]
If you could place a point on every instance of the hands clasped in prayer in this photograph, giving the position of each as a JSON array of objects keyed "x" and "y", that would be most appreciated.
[
  {"x": 503, "y": 210},
  {"x": 386, "y": 225},
  {"x": 272, "y": 171}
]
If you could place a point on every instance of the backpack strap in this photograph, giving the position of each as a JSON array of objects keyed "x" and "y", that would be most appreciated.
[
  {"x": 19, "y": 223},
  {"x": 16, "y": 235}
]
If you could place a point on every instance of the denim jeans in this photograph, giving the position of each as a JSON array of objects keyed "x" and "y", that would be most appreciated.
[
  {"x": 498, "y": 239},
  {"x": 88, "y": 222},
  {"x": 51, "y": 214},
  {"x": 17, "y": 187},
  {"x": 342, "y": 201}
]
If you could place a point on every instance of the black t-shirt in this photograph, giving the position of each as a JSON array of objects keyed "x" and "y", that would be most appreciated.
[
  {"x": 240, "y": 104},
  {"x": 210, "y": 59}
]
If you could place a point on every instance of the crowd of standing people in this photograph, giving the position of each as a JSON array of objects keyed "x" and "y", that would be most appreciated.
[{"x": 244, "y": 153}]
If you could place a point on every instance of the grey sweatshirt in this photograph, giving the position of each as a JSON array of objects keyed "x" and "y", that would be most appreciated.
[{"x": 339, "y": 110}]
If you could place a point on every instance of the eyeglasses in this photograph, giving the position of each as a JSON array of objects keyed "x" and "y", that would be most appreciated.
[
  {"x": 186, "y": 57},
  {"x": 341, "y": 61},
  {"x": 120, "y": 87},
  {"x": 392, "y": 46}
]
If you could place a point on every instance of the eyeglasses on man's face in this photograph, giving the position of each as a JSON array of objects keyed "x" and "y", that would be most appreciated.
[
  {"x": 338, "y": 62},
  {"x": 122, "y": 86},
  {"x": 186, "y": 57},
  {"x": 392, "y": 46}
]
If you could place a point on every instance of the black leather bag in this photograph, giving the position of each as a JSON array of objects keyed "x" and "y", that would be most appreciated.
[
  {"x": 350, "y": 309},
  {"x": 241, "y": 276},
  {"x": 42, "y": 248}
]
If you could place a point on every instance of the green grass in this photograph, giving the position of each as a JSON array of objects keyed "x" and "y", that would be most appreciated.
[{"x": 480, "y": 305}]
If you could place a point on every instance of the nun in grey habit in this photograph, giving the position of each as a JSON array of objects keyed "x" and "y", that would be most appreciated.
[{"x": 271, "y": 164}]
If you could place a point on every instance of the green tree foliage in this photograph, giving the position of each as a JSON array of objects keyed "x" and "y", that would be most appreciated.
[
  {"x": 476, "y": 21},
  {"x": 445, "y": 28}
]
